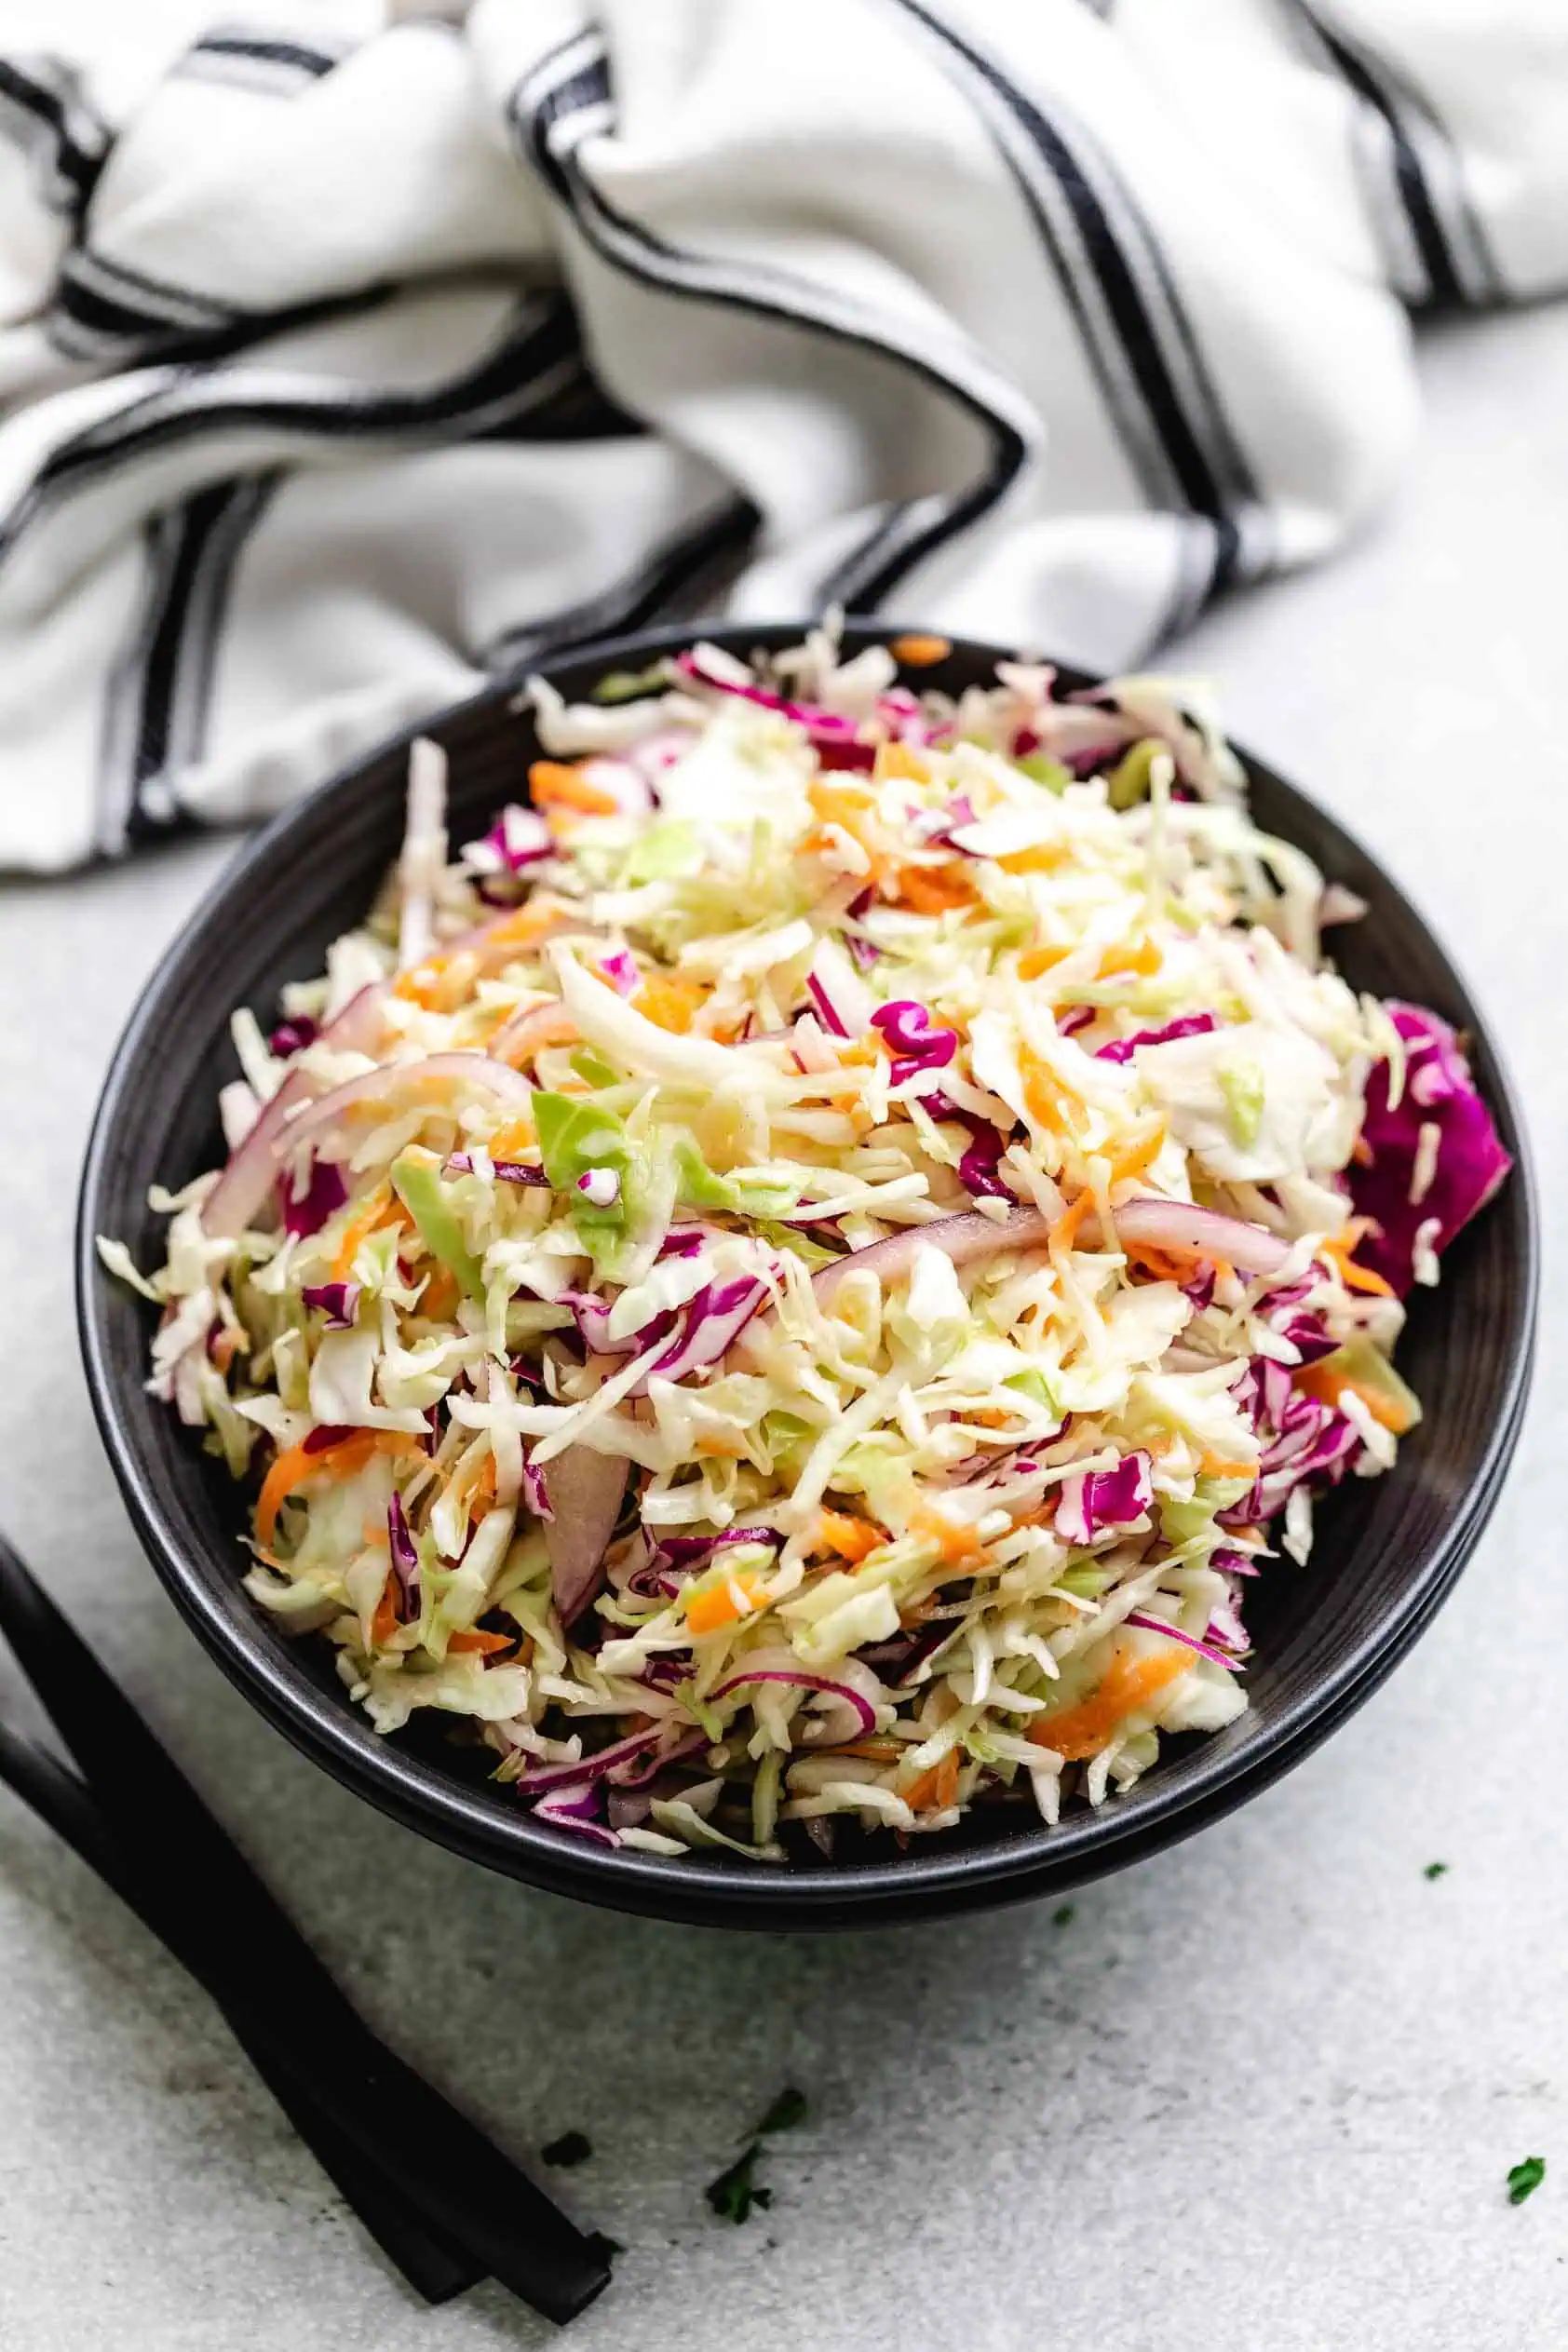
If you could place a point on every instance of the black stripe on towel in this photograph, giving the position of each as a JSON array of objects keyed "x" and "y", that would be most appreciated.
[
  {"x": 265, "y": 49},
  {"x": 570, "y": 88},
  {"x": 1129, "y": 313},
  {"x": 159, "y": 692},
  {"x": 43, "y": 105},
  {"x": 1451, "y": 244},
  {"x": 536, "y": 358}
]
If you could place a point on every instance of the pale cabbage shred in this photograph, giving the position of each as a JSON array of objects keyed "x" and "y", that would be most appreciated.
[{"x": 883, "y": 1402}]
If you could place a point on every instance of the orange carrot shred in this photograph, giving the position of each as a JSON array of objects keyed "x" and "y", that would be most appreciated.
[
  {"x": 1082, "y": 1730},
  {"x": 918, "y": 650}
]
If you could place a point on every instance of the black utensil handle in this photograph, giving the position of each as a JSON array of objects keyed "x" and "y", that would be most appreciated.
[
  {"x": 435, "y": 2268},
  {"x": 245, "y": 1946}
]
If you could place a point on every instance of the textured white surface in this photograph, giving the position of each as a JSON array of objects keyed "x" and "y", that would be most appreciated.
[{"x": 1262, "y": 2091}]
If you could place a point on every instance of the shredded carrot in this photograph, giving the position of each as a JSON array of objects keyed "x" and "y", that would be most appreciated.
[
  {"x": 935, "y": 889},
  {"x": 483, "y": 1491},
  {"x": 295, "y": 1466},
  {"x": 1035, "y": 961},
  {"x": 1044, "y": 1091},
  {"x": 956, "y": 1540},
  {"x": 1214, "y": 1465},
  {"x": 384, "y": 1625},
  {"x": 1065, "y": 1230},
  {"x": 381, "y": 1209},
  {"x": 896, "y": 761},
  {"x": 851, "y": 1538},
  {"x": 475, "y": 1638},
  {"x": 514, "y": 1138},
  {"x": 439, "y": 984},
  {"x": 1337, "y": 1250},
  {"x": 224, "y": 1348},
  {"x": 937, "y": 1787},
  {"x": 721, "y": 1445},
  {"x": 1136, "y": 1158},
  {"x": 875, "y": 1750},
  {"x": 670, "y": 1001},
  {"x": 1164, "y": 1265},
  {"x": 722, "y": 1604},
  {"x": 1145, "y": 959},
  {"x": 1082, "y": 1730},
  {"x": 1041, "y": 857},
  {"x": 552, "y": 784},
  {"x": 525, "y": 924},
  {"x": 918, "y": 651},
  {"x": 1324, "y": 1381},
  {"x": 439, "y": 1299}
]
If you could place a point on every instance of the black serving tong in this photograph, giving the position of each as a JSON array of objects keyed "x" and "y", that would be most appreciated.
[{"x": 442, "y": 2202}]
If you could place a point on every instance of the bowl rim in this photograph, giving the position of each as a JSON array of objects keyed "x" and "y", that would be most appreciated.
[{"x": 733, "y": 1891}]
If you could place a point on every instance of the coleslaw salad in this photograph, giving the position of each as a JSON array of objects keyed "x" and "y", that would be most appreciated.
[{"x": 802, "y": 1276}]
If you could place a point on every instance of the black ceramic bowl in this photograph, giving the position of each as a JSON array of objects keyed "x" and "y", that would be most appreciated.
[{"x": 1388, "y": 1554}]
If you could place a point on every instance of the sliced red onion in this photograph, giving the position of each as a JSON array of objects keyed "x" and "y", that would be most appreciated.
[
  {"x": 405, "y": 1556},
  {"x": 1202, "y": 1233},
  {"x": 1092, "y": 1501},
  {"x": 290, "y": 1037},
  {"x": 1076, "y": 1017},
  {"x": 305, "y": 1213},
  {"x": 1231, "y": 1563},
  {"x": 862, "y": 953},
  {"x": 524, "y": 1035},
  {"x": 1189, "y": 1641},
  {"x": 601, "y": 1187},
  {"x": 963, "y": 1239},
  {"x": 1189, "y": 1025},
  {"x": 338, "y": 1301},
  {"x": 585, "y": 1491},
  {"x": 470, "y": 1069},
  {"x": 246, "y": 1184}
]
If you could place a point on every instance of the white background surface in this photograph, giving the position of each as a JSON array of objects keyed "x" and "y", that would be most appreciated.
[{"x": 1260, "y": 2092}]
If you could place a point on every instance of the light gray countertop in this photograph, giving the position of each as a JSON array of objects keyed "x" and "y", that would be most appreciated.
[{"x": 1260, "y": 2092}]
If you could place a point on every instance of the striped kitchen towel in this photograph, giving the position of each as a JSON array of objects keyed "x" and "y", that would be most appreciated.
[{"x": 346, "y": 363}]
